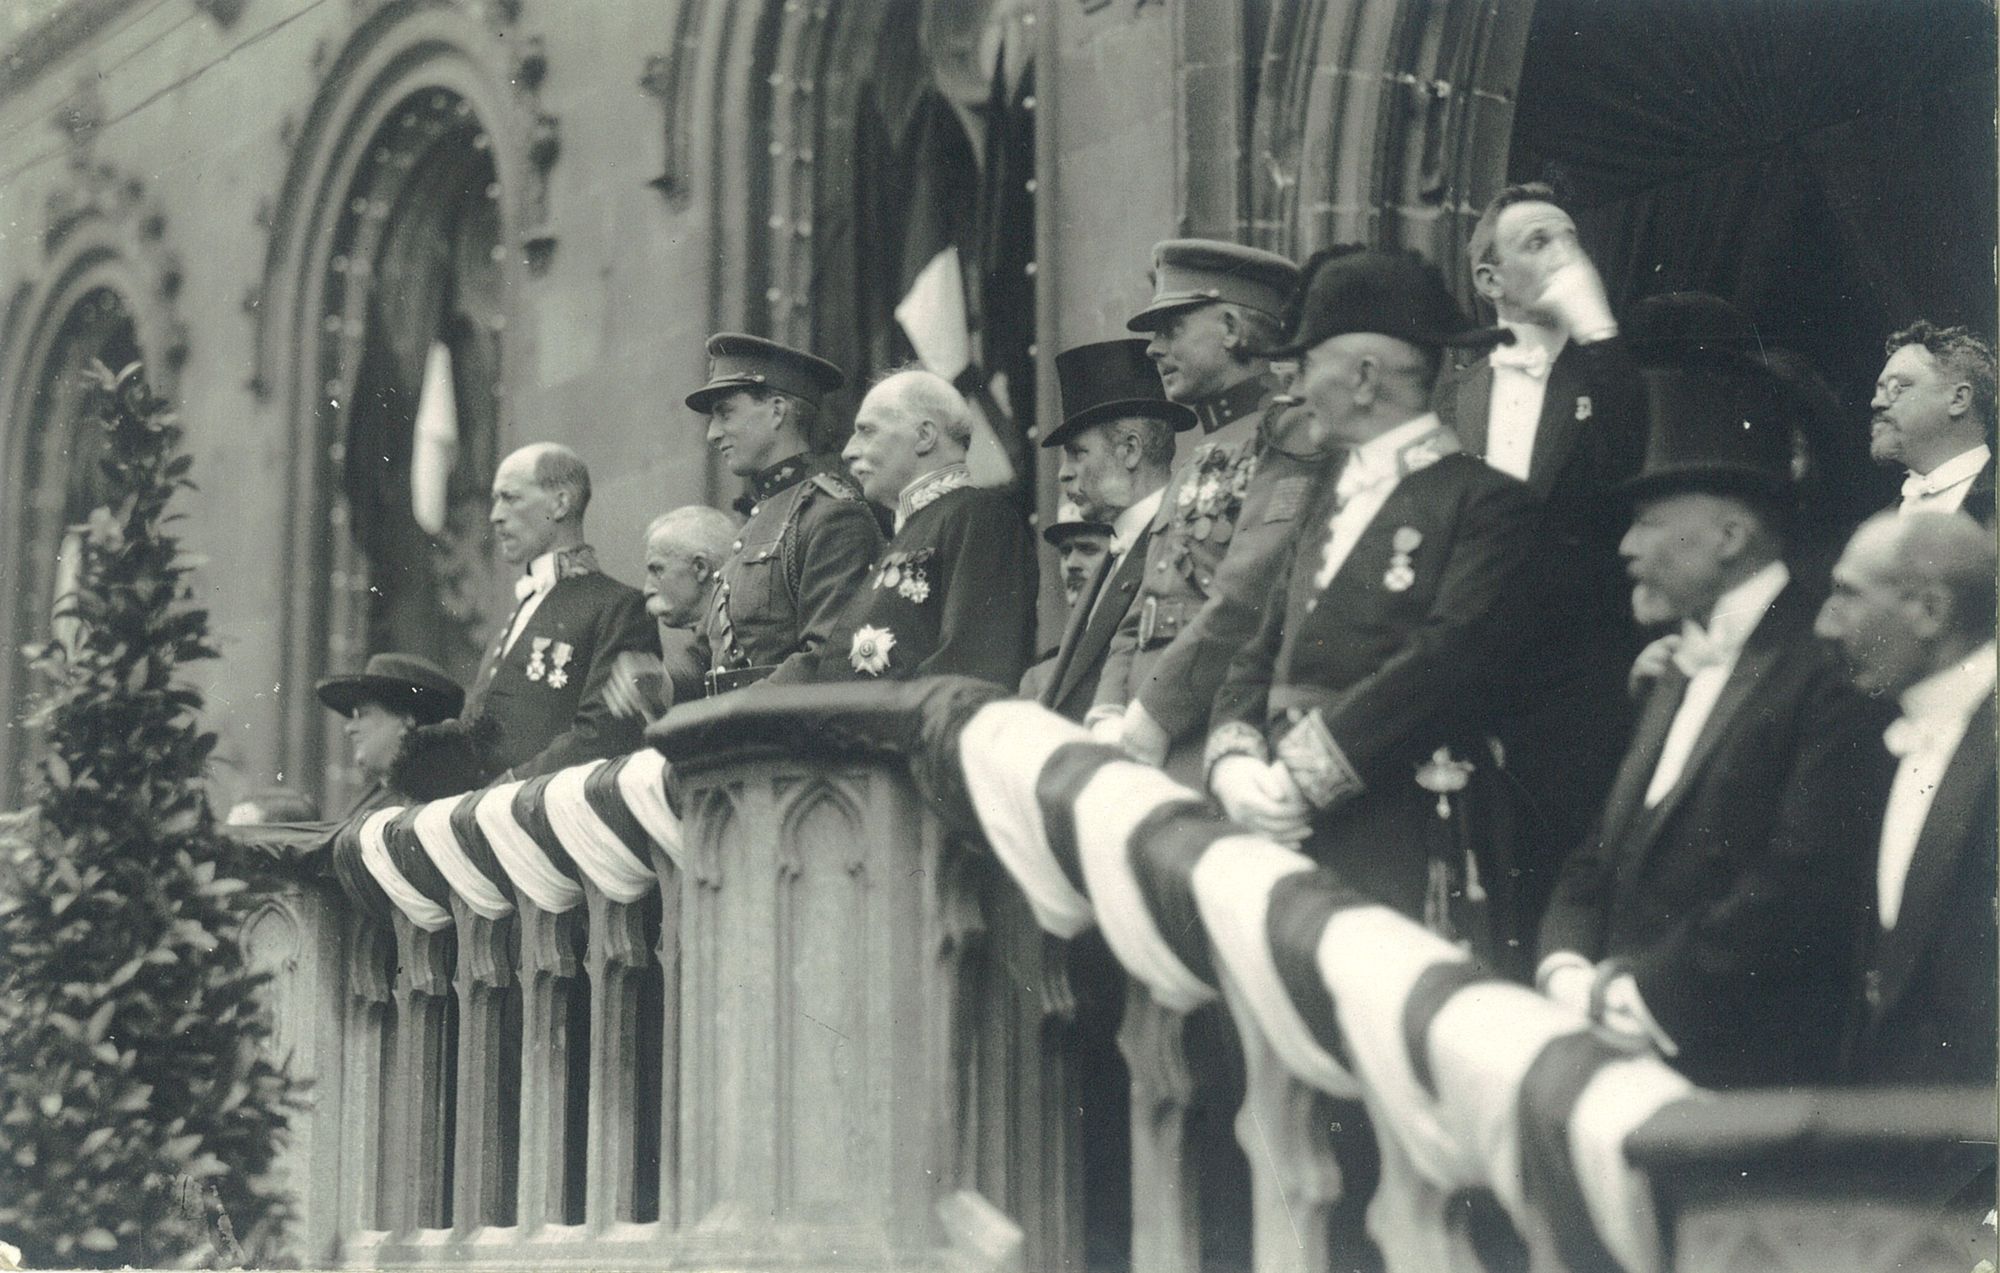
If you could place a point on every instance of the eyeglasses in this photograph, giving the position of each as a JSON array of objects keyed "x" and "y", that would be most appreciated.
[{"x": 1890, "y": 388}]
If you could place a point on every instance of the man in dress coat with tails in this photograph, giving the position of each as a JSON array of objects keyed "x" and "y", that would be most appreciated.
[
  {"x": 1710, "y": 911},
  {"x": 543, "y": 679}
]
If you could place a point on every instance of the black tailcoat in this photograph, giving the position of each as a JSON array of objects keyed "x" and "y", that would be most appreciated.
[
  {"x": 550, "y": 717},
  {"x": 955, "y": 589},
  {"x": 1732, "y": 901},
  {"x": 1925, "y": 1010}
]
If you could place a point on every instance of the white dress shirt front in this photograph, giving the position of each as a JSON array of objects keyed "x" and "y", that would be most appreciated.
[
  {"x": 1520, "y": 383},
  {"x": 1943, "y": 489},
  {"x": 533, "y": 585},
  {"x": 1936, "y": 711},
  {"x": 1372, "y": 472},
  {"x": 1708, "y": 655}
]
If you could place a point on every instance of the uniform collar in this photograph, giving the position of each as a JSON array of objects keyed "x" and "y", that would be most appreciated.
[
  {"x": 789, "y": 471},
  {"x": 1418, "y": 442},
  {"x": 928, "y": 489},
  {"x": 545, "y": 571},
  {"x": 1232, "y": 404}
]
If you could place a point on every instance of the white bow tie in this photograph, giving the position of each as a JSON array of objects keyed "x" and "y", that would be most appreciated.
[
  {"x": 1696, "y": 650},
  {"x": 1355, "y": 478},
  {"x": 1906, "y": 737},
  {"x": 1525, "y": 356},
  {"x": 526, "y": 586},
  {"x": 1919, "y": 486}
]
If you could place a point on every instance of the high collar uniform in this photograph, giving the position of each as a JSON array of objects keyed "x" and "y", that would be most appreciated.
[
  {"x": 953, "y": 593},
  {"x": 799, "y": 559}
]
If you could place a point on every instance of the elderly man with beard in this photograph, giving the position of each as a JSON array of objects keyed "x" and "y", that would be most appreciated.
[
  {"x": 1117, "y": 441},
  {"x": 685, "y": 551}
]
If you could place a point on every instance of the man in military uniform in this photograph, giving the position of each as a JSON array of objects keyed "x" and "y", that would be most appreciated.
[
  {"x": 1117, "y": 440},
  {"x": 1216, "y": 307},
  {"x": 954, "y": 592},
  {"x": 810, "y": 540},
  {"x": 543, "y": 681}
]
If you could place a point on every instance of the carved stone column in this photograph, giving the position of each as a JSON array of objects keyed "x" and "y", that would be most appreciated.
[
  {"x": 418, "y": 1190},
  {"x": 550, "y": 959},
  {"x": 1166, "y": 1186},
  {"x": 484, "y": 1167},
  {"x": 617, "y": 958},
  {"x": 365, "y": 1107}
]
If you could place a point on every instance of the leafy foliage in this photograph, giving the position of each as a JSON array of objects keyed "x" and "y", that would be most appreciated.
[{"x": 139, "y": 1110}]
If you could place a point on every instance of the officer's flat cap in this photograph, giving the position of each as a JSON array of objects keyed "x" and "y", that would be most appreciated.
[
  {"x": 1189, "y": 272},
  {"x": 738, "y": 361}
]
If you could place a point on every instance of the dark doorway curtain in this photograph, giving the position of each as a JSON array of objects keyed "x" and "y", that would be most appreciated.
[{"x": 1827, "y": 165}]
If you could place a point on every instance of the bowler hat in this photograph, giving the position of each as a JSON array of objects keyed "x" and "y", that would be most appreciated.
[
  {"x": 1719, "y": 419},
  {"x": 737, "y": 361},
  {"x": 1190, "y": 272},
  {"x": 1111, "y": 380},
  {"x": 399, "y": 682},
  {"x": 1348, "y": 289}
]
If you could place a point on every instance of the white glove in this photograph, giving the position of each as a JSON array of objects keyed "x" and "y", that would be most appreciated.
[
  {"x": 1574, "y": 298},
  {"x": 1142, "y": 737},
  {"x": 1652, "y": 664},
  {"x": 1567, "y": 978},
  {"x": 1262, "y": 797},
  {"x": 1109, "y": 728},
  {"x": 625, "y": 690},
  {"x": 1625, "y": 1012}
]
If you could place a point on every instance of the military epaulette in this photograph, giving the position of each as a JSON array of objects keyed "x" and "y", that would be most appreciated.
[{"x": 834, "y": 486}]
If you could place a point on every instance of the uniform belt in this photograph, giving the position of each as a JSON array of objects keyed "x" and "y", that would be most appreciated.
[
  {"x": 1161, "y": 620},
  {"x": 735, "y": 678}
]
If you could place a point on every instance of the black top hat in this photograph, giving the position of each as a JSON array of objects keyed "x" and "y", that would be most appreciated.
[
  {"x": 737, "y": 361},
  {"x": 1111, "y": 380},
  {"x": 1720, "y": 420},
  {"x": 1390, "y": 293},
  {"x": 399, "y": 682},
  {"x": 1190, "y": 272},
  {"x": 1058, "y": 533}
]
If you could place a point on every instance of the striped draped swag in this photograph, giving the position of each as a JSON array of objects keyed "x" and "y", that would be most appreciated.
[{"x": 1471, "y": 1080}]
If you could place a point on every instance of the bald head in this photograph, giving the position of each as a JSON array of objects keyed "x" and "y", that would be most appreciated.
[
  {"x": 911, "y": 423},
  {"x": 539, "y": 495},
  {"x": 1912, "y": 595}
]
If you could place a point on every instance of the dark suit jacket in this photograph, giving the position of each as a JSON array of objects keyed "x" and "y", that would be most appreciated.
[
  {"x": 1086, "y": 638},
  {"x": 955, "y": 588},
  {"x": 1925, "y": 1011},
  {"x": 549, "y": 721},
  {"x": 1732, "y": 901},
  {"x": 1395, "y": 674},
  {"x": 1569, "y": 725}
]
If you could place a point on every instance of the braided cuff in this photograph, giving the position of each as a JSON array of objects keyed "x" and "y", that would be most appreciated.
[
  {"x": 1324, "y": 774},
  {"x": 1233, "y": 738}
]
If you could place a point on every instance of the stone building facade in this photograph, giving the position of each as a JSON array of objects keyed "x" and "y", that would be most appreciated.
[{"x": 287, "y": 208}]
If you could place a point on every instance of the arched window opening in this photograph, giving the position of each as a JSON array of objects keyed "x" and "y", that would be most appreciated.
[{"x": 410, "y": 347}]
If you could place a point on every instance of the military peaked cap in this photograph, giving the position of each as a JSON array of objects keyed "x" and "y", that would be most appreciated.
[
  {"x": 738, "y": 361},
  {"x": 1111, "y": 380},
  {"x": 1189, "y": 272}
]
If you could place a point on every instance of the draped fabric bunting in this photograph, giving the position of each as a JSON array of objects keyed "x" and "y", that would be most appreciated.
[
  {"x": 1480, "y": 1082},
  {"x": 1471, "y": 1080},
  {"x": 595, "y": 822}
]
